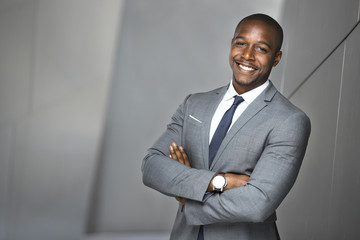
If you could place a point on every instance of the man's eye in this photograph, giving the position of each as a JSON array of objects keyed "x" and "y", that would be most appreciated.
[
  {"x": 239, "y": 43},
  {"x": 262, "y": 50}
]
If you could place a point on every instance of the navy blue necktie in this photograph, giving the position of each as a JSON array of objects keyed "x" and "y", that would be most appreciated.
[
  {"x": 218, "y": 137},
  {"x": 222, "y": 129}
]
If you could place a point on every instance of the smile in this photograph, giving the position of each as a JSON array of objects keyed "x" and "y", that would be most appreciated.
[{"x": 246, "y": 68}]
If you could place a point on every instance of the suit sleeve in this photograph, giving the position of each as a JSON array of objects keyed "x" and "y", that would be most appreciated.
[
  {"x": 167, "y": 175},
  {"x": 270, "y": 181}
]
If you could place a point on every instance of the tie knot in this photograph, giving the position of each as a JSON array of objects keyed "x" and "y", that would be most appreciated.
[{"x": 237, "y": 100}]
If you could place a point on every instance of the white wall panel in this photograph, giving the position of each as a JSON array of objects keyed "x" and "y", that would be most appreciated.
[
  {"x": 307, "y": 204},
  {"x": 312, "y": 30},
  {"x": 345, "y": 211}
]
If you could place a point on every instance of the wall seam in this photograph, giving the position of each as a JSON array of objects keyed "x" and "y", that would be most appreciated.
[
  {"x": 331, "y": 201},
  {"x": 321, "y": 63},
  {"x": 358, "y": 19},
  {"x": 286, "y": 47},
  {"x": 91, "y": 220},
  {"x": 337, "y": 120}
]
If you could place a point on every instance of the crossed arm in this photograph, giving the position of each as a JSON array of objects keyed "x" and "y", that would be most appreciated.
[
  {"x": 233, "y": 180},
  {"x": 257, "y": 198}
]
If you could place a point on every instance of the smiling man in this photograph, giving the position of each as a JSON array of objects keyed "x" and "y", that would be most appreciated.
[
  {"x": 231, "y": 155},
  {"x": 254, "y": 51}
]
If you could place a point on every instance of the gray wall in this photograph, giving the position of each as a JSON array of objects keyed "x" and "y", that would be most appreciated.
[
  {"x": 322, "y": 76},
  {"x": 55, "y": 68},
  {"x": 70, "y": 159}
]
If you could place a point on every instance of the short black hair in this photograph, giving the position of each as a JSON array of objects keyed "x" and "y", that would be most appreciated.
[{"x": 269, "y": 21}]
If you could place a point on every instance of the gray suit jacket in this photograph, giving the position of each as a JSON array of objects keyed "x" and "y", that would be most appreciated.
[{"x": 267, "y": 142}]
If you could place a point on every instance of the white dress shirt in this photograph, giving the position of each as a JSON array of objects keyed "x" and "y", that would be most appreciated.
[{"x": 228, "y": 100}]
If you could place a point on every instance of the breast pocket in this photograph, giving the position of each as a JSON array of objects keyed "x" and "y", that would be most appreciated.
[
  {"x": 192, "y": 139},
  {"x": 192, "y": 130}
]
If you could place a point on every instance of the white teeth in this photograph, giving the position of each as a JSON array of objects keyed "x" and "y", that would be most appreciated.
[{"x": 246, "y": 68}]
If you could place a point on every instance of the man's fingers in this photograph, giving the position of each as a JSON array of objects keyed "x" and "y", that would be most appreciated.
[
  {"x": 181, "y": 200},
  {"x": 172, "y": 153},
  {"x": 178, "y": 153},
  {"x": 245, "y": 179},
  {"x": 175, "y": 153},
  {"x": 185, "y": 157},
  {"x": 236, "y": 180}
]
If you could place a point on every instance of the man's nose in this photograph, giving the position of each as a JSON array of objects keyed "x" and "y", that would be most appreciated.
[{"x": 248, "y": 53}]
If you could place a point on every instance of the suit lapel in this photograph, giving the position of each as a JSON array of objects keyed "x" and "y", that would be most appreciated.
[
  {"x": 253, "y": 109},
  {"x": 211, "y": 106}
]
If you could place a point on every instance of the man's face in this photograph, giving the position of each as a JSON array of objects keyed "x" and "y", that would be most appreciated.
[{"x": 254, "y": 51}]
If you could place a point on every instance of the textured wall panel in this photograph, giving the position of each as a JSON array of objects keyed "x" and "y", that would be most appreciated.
[
  {"x": 345, "y": 211},
  {"x": 308, "y": 203},
  {"x": 312, "y": 30}
]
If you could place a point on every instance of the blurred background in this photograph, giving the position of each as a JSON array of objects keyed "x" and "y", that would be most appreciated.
[{"x": 86, "y": 86}]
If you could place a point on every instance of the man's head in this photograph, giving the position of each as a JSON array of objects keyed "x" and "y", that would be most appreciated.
[{"x": 255, "y": 49}]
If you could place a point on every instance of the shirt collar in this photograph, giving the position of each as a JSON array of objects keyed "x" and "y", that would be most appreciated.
[{"x": 248, "y": 96}]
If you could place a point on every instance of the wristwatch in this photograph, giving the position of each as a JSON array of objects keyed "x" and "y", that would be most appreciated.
[{"x": 219, "y": 182}]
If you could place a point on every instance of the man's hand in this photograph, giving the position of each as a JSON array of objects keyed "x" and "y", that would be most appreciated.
[
  {"x": 233, "y": 180},
  {"x": 178, "y": 153},
  {"x": 181, "y": 200}
]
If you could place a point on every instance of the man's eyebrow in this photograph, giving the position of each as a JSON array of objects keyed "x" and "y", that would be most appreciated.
[
  {"x": 261, "y": 42},
  {"x": 238, "y": 38},
  {"x": 265, "y": 43}
]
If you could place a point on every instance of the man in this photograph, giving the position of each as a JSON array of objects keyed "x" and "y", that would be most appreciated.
[{"x": 230, "y": 163}]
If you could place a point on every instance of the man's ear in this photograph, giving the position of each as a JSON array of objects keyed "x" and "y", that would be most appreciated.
[{"x": 277, "y": 58}]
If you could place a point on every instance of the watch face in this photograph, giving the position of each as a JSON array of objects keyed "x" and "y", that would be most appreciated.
[{"x": 218, "y": 181}]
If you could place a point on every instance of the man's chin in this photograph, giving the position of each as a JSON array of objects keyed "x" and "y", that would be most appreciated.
[{"x": 243, "y": 83}]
